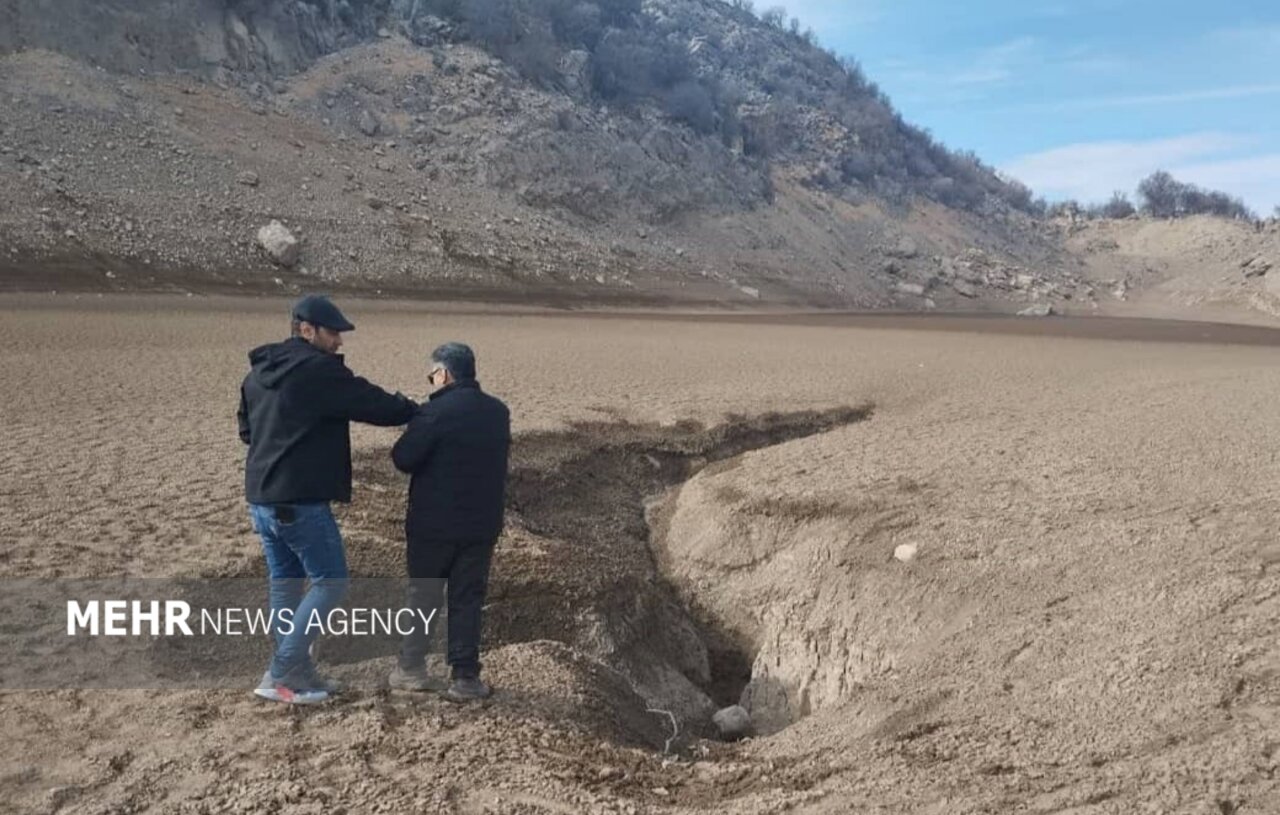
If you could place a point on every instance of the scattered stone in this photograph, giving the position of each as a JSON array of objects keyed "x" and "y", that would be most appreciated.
[
  {"x": 374, "y": 202},
  {"x": 910, "y": 288},
  {"x": 733, "y": 722},
  {"x": 905, "y": 249},
  {"x": 248, "y": 178},
  {"x": 964, "y": 288},
  {"x": 905, "y": 552},
  {"x": 61, "y": 796},
  {"x": 1037, "y": 310},
  {"x": 1272, "y": 283},
  {"x": 279, "y": 243},
  {"x": 1256, "y": 267},
  {"x": 368, "y": 123}
]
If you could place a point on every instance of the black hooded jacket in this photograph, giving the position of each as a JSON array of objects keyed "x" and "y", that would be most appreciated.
[
  {"x": 296, "y": 406},
  {"x": 456, "y": 449}
]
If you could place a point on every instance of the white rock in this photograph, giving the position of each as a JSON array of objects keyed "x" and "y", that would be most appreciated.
[
  {"x": 279, "y": 243},
  {"x": 1037, "y": 310},
  {"x": 905, "y": 552},
  {"x": 1272, "y": 283},
  {"x": 368, "y": 123},
  {"x": 733, "y": 722}
]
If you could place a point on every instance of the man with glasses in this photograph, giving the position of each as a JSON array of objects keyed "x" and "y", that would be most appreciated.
[
  {"x": 455, "y": 449},
  {"x": 296, "y": 406}
]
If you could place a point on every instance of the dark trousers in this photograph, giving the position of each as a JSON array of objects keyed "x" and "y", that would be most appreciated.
[{"x": 465, "y": 565}]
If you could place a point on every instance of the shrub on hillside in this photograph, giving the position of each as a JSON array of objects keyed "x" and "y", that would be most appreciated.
[
  {"x": 691, "y": 103},
  {"x": 1118, "y": 207},
  {"x": 639, "y": 57},
  {"x": 1163, "y": 196}
]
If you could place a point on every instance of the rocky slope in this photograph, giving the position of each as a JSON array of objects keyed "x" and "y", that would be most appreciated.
[
  {"x": 151, "y": 155},
  {"x": 147, "y": 148}
]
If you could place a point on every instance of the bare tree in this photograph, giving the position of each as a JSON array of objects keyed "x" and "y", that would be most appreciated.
[{"x": 1118, "y": 207}]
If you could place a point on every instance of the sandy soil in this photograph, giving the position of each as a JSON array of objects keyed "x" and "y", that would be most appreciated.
[{"x": 1088, "y": 625}]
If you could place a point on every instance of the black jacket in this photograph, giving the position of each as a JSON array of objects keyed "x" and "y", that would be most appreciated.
[
  {"x": 296, "y": 406},
  {"x": 456, "y": 450}
]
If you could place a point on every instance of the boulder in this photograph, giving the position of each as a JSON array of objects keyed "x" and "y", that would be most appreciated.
[
  {"x": 575, "y": 72},
  {"x": 1037, "y": 310},
  {"x": 964, "y": 288},
  {"x": 248, "y": 178},
  {"x": 1272, "y": 283},
  {"x": 910, "y": 288},
  {"x": 1256, "y": 267},
  {"x": 733, "y": 722},
  {"x": 368, "y": 123},
  {"x": 906, "y": 248},
  {"x": 279, "y": 244}
]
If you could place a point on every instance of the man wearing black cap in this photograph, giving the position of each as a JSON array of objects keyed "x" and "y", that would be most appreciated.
[
  {"x": 456, "y": 450},
  {"x": 296, "y": 406}
]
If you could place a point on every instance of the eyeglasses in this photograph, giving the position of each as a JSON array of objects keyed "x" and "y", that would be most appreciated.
[{"x": 431, "y": 377}]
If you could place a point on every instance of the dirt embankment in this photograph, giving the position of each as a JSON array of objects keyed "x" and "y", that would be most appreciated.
[{"x": 1200, "y": 267}]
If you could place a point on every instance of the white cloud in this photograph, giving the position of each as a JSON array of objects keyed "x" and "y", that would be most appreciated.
[
  {"x": 1092, "y": 171},
  {"x": 1256, "y": 179},
  {"x": 987, "y": 66},
  {"x": 1252, "y": 36},
  {"x": 827, "y": 17},
  {"x": 1175, "y": 98}
]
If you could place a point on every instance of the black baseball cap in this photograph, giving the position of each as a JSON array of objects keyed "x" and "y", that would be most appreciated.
[{"x": 320, "y": 310}]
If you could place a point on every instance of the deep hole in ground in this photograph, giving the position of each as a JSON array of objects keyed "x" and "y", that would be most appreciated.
[
  {"x": 575, "y": 563},
  {"x": 589, "y": 487}
]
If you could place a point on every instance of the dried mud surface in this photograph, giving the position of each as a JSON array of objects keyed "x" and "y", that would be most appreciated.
[{"x": 1088, "y": 625}]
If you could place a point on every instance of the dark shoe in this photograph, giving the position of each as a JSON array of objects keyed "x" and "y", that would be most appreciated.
[
  {"x": 467, "y": 689},
  {"x": 414, "y": 679}
]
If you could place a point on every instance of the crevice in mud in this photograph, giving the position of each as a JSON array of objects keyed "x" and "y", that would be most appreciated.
[
  {"x": 589, "y": 487},
  {"x": 575, "y": 564}
]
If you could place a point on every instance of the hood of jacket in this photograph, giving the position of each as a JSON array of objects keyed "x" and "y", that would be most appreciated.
[{"x": 273, "y": 362}]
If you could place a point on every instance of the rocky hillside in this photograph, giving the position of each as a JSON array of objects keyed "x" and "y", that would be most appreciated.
[{"x": 679, "y": 151}]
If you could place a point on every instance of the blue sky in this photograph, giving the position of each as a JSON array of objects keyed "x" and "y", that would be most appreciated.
[{"x": 1080, "y": 98}]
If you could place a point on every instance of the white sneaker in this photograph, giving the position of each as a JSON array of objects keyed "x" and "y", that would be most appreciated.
[
  {"x": 275, "y": 691},
  {"x": 280, "y": 693}
]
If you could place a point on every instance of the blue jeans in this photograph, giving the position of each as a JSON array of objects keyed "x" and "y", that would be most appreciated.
[{"x": 300, "y": 541}]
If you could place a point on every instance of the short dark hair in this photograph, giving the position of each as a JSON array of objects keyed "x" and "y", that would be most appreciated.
[{"x": 457, "y": 359}]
